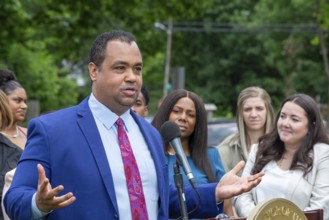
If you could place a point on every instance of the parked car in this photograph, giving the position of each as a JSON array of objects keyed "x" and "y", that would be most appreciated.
[{"x": 219, "y": 129}]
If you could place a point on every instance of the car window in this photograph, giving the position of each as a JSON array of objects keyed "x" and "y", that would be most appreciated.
[{"x": 218, "y": 131}]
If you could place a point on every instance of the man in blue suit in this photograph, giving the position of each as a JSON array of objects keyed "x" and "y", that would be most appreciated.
[{"x": 71, "y": 167}]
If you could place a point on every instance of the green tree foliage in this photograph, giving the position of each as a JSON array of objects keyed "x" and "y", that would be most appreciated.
[
  {"x": 222, "y": 59},
  {"x": 264, "y": 43},
  {"x": 26, "y": 50},
  {"x": 224, "y": 46},
  {"x": 292, "y": 53}
]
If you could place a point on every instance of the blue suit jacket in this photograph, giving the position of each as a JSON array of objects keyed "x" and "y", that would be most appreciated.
[{"x": 68, "y": 145}]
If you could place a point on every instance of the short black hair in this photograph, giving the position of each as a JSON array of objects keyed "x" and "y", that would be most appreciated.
[{"x": 97, "y": 51}]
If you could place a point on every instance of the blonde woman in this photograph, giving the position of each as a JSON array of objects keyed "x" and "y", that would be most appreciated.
[
  {"x": 6, "y": 118},
  {"x": 9, "y": 153},
  {"x": 254, "y": 118}
]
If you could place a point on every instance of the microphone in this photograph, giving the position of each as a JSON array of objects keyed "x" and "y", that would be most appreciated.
[{"x": 170, "y": 133}]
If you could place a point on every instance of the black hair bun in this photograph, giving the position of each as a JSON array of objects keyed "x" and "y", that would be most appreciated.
[{"x": 6, "y": 76}]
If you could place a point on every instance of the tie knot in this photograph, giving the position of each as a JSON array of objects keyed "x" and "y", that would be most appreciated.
[{"x": 119, "y": 122}]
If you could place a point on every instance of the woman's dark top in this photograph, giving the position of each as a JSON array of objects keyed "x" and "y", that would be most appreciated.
[{"x": 9, "y": 157}]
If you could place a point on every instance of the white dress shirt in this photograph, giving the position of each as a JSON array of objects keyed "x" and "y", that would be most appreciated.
[{"x": 105, "y": 121}]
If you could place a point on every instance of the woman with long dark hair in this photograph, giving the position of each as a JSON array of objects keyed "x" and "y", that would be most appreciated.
[{"x": 187, "y": 110}]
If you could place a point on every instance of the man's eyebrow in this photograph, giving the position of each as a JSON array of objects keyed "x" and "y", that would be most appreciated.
[
  {"x": 127, "y": 63},
  {"x": 120, "y": 62}
]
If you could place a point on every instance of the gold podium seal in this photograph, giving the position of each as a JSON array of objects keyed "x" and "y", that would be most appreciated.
[{"x": 277, "y": 209}]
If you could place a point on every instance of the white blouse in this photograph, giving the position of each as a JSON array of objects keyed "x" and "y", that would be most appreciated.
[
  {"x": 274, "y": 183},
  {"x": 310, "y": 192}
]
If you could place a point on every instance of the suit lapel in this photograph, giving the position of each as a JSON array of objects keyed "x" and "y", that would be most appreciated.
[
  {"x": 297, "y": 176},
  {"x": 155, "y": 146},
  {"x": 88, "y": 126},
  {"x": 150, "y": 143}
]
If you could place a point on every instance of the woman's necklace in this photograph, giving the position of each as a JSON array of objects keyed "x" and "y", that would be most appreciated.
[{"x": 12, "y": 136}]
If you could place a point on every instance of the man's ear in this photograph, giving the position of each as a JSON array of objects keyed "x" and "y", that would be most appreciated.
[
  {"x": 93, "y": 70},
  {"x": 146, "y": 111}
]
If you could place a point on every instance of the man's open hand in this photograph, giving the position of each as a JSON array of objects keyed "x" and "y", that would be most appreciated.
[
  {"x": 232, "y": 185},
  {"x": 46, "y": 196}
]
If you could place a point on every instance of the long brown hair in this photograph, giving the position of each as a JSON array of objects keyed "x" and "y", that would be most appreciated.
[{"x": 272, "y": 148}]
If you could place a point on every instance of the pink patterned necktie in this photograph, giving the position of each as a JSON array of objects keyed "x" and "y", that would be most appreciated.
[{"x": 133, "y": 179}]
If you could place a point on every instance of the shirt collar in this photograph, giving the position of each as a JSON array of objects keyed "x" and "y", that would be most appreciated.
[{"x": 105, "y": 115}]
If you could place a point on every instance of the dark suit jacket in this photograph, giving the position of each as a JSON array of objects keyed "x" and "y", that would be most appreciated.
[{"x": 67, "y": 143}]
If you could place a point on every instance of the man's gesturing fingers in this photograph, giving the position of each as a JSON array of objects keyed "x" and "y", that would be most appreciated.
[
  {"x": 65, "y": 200},
  {"x": 236, "y": 169},
  {"x": 256, "y": 178},
  {"x": 46, "y": 199}
]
